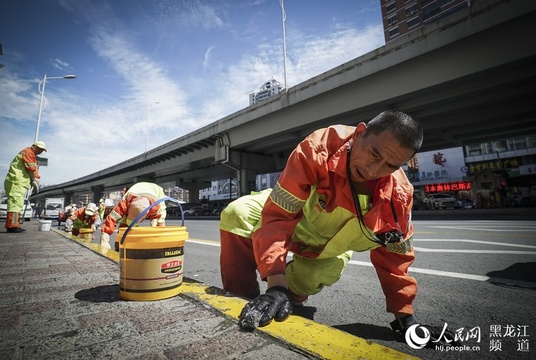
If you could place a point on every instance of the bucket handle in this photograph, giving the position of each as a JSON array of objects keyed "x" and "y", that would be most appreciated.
[{"x": 146, "y": 210}]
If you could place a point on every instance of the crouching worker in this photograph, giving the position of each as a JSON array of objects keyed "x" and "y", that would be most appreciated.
[
  {"x": 343, "y": 189},
  {"x": 83, "y": 218},
  {"x": 139, "y": 197}
]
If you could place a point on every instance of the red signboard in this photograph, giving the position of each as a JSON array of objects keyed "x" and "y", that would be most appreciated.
[{"x": 444, "y": 187}]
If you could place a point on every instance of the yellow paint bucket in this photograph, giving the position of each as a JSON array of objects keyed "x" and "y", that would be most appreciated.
[
  {"x": 151, "y": 262},
  {"x": 86, "y": 234}
]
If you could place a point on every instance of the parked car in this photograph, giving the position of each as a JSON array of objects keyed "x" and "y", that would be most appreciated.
[
  {"x": 174, "y": 211},
  {"x": 3, "y": 210},
  {"x": 467, "y": 204},
  {"x": 441, "y": 201},
  {"x": 196, "y": 211},
  {"x": 217, "y": 210}
]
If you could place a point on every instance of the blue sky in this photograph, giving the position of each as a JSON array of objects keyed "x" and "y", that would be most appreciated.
[{"x": 182, "y": 64}]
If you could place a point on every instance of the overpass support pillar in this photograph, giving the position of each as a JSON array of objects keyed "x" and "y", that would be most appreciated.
[
  {"x": 98, "y": 192},
  {"x": 193, "y": 189},
  {"x": 247, "y": 180},
  {"x": 68, "y": 198},
  {"x": 246, "y": 166}
]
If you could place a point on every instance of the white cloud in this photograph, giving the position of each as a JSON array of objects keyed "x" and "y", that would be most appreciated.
[
  {"x": 59, "y": 64},
  {"x": 87, "y": 133}
]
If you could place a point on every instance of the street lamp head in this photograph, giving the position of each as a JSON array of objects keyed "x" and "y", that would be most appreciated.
[{"x": 41, "y": 88}]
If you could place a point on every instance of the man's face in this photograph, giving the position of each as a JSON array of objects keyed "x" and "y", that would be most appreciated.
[
  {"x": 37, "y": 150},
  {"x": 375, "y": 156}
]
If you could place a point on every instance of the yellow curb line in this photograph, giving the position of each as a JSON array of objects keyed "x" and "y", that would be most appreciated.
[{"x": 314, "y": 338}]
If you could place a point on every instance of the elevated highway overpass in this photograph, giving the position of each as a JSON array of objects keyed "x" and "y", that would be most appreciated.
[{"x": 469, "y": 78}]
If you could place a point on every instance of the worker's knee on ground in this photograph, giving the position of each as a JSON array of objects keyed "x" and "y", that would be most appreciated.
[{"x": 309, "y": 276}]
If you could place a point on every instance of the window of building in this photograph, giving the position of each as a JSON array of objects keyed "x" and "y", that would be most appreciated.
[
  {"x": 392, "y": 20},
  {"x": 520, "y": 143},
  {"x": 411, "y": 10},
  {"x": 532, "y": 142},
  {"x": 390, "y": 7},
  {"x": 413, "y": 22},
  {"x": 499, "y": 146},
  {"x": 473, "y": 150},
  {"x": 393, "y": 32}
]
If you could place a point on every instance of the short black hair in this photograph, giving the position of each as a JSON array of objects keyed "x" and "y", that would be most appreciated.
[{"x": 405, "y": 128}]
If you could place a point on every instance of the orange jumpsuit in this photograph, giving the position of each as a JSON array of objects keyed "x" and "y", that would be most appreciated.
[{"x": 312, "y": 213}]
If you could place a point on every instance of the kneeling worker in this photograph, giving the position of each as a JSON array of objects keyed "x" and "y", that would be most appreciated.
[
  {"x": 139, "y": 197},
  {"x": 83, "y": 218}
]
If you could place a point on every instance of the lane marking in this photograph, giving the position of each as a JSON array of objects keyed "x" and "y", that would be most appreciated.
[
  {"x": 494, "y": 280},
  {"x": 509, "y": 229},
  {"x": 470, "y": 251},
  {"x": 204, "y": 242},
  {"x": 476, "y": 242},
  {"x": 482, "y": 278}
]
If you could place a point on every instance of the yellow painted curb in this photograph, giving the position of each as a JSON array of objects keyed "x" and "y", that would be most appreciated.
[
  {"x": 313, "y": 338},
  {"x": 316, "y": 339},
  {"x": 110, "y": 254}
]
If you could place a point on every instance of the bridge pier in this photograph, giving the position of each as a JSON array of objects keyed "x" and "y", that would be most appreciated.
[
  {"x": 98, "y": 192},
  {"x": 193, "y": 188}
]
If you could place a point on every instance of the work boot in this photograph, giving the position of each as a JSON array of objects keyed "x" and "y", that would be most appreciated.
[{"x": 12, "y": 223}]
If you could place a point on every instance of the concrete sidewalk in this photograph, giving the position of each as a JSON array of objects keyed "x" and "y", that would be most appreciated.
[{"x": 59, "y": 299}]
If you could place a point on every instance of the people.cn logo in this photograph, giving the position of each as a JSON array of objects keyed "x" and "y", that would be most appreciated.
[{"x": 414, "y": 340}]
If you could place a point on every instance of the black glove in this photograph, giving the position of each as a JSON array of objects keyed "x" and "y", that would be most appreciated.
[
  {"x": 437, "y": 335},
  {"x": 274, "y": 304}
]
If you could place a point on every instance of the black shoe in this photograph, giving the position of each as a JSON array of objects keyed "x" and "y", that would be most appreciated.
[{"x": 15, "y": 230}]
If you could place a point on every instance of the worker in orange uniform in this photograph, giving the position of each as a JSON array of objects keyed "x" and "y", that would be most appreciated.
[
  {"x": 23, "y": 173},
  {"x": 343, "y": 189},
  {"x": 135, "y": 200},
  {"x": 84, "y": 218}
]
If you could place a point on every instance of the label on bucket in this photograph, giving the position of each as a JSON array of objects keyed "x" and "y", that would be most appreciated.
[
  {"x": 150, "y": 274},
  {"x": 171, "y": 267},
  {"x": 151, "y": 253}
]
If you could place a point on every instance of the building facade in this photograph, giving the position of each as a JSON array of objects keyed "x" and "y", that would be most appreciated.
[
  {"x": 402, "y": 16},
  {"x": 269, "y": 88},
  {"x": 500, "y": 173}
]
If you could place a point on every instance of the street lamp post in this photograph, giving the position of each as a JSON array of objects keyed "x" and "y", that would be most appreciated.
[
  {"x": 41, "y": 88},
  {"x": 147, "y": 126}
]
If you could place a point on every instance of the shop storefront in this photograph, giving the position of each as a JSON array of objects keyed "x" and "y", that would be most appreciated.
[
  {"x": 442, "y": 172},
  {"x": 501, "y": 181}
]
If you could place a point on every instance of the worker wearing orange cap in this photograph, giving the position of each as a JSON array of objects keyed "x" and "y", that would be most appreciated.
[
  {"x": 135, "y": 200},
  {"x": 23, "y": 173}
]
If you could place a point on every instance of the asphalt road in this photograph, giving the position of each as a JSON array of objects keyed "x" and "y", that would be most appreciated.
[{"x": 476, "y": 276}]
